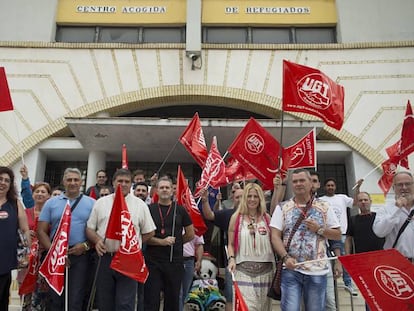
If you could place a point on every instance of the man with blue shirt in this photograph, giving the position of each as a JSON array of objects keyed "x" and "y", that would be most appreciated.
[{"x": 78, "y": 255}]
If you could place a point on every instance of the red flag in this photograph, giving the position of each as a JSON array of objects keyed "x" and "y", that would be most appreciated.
[
  {"x": 128, "y": 260},
  {"x": 389, "y": 168},
  {"x": 394, "y": 151},
  {"x": 310, "y": 91},
  {"x": 258, "y": 151},
  {"x": 303, "y": 153},
  {"x": 5, "y": 98},
  {"x": 214, "y": 170},
  {"x": 54, "y": 264},
  {"x": 186, "y": 199},
  {"x": 193, "y": 140},
  {"x": 237, "y": 172},
  {"x": 124, "y": 157},
  {"x": 385, "y": 278},
  {"x": 92, "y": 193},
  {"x": 239, "y": 303},
  {"x": 407, "y": 133},
  {"x": 29, "y": 282}
]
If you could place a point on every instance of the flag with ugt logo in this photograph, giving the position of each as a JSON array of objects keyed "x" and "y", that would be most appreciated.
[
  {"x": 29, "y": 282},
  {"x": 54, "y": 264},
  {"x": 128, "y": 260},
  {"x": 258, "y": 151},
  {"x": 186, "y": 199},
  {"x": 385, "y": 278},
  {"x": 310, "y": 91},
  {"x": 214, "y": 170},
  {"x": 193, "y": 140}
]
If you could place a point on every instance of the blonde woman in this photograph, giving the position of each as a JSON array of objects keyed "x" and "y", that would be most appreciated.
[{"x": 250, "y": 252}]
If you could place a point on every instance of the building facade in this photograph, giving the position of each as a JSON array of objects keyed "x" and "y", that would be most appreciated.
[{"x": 87, "y": 76}]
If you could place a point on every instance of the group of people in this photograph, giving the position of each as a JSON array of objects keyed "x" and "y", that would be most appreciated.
[{"x": 256, "y": 232}]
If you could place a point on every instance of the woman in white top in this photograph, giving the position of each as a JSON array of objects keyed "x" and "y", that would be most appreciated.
[{"x": 250, "y": 252}]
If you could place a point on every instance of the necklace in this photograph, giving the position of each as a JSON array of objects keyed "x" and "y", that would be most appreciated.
[
  {"x": 252, "y": 229},
  {"x": 162, "y": 217}
]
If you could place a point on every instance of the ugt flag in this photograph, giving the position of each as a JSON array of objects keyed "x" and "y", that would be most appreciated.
[
  {"x": 385, "y": 278},
  {"x": 258, "y": 151},
  {"x": 310, "y": 91},
  {"x": 186, "y": 199},
  {"x": 193, "y": 140},
  {"x": 128, "y": 260},
  {"x": 5, "y": 98},
  {"x": 54, "y": 264},
  {"x": 407, "y": 133},
  {"x": 214, "y": 170}
]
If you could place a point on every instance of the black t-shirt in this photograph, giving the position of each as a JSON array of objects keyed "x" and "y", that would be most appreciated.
[
  {"x": 163, "y": 219},
  {"x": 360, "y": 228}
]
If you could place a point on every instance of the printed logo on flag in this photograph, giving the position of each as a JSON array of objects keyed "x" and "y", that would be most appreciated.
[
  {"x": 58, "y": 257},
  {"x": 394, "y": 282},
  {"x": 298, "y": 154},
  {"x": 129, "y": 241},
  {"x": 391, "y": 169},
  {"x": 254, "y": 143},
  {"x": 314, "y": 91}
]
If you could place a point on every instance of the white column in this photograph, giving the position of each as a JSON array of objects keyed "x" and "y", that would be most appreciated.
[{"x": 96, "y": 162}]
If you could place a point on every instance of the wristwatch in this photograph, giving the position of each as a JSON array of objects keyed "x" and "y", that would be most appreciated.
[
  {"x": 321, "y": 230},
  {"x": 86, "y": 245}
]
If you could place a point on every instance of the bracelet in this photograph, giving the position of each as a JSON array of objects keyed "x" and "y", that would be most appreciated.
[
  {"x": 230, "y": 257},
  {"x": 284, "y": 258}
]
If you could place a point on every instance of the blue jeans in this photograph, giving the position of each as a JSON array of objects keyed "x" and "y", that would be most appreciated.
[
  {"x": 345, "y": 276},
  {"x": 296, "y": 285},
  {"x": 187, "y": 281}
]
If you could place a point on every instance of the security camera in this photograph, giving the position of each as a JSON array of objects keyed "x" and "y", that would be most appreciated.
[{"x": 193, "y": 57}]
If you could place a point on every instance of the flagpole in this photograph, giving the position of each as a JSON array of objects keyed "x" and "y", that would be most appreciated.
[
  {"x": 93, "y": 289},
  {"x": 281, "y": 142},
  {"x": 173, "y": 229},
  {"x": 66, "y": 289},
  {"x": 18, "y": 137},
  {"x": 366, "y": 175},
  {"x": 166, "y": 158}
]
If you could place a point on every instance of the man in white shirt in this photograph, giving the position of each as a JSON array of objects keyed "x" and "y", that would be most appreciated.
[
  {"x": 342, "y": 205},
  {"x": 390, "y": 219}
]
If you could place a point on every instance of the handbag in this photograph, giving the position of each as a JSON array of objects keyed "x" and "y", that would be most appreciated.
[
  {"x": 23, "y": 250},
  {"x": 275, "y": 290}
]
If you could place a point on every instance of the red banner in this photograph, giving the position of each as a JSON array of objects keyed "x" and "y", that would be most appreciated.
[
  {"x": 124, "y": 157},
  {"x": 310, "y": 91},
  {"x": 258, "y": 151},
  {"x": 5, "y": 98},
  {"x": 193, "y": 140},
  {"x": 239, "y": 303},
  {"x": 389, "y": 168},
  {"x": 236, "y": 172},
  {"x": 303, "y": 153},
  {"x": 128, "y": 260},
  {"x": 214, "y": 170},
  {"x": 92, "y": 193},
  {"x": 186, "y": 199},
  {"x": 29, "y": 282},
  {"x": 54, "y": 264},
  {"x": 394, "y": 151},
  {"x": 385, "y": 278},
  {"x": 407, "y": 133}
]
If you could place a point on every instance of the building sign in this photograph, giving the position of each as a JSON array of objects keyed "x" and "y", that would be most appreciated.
[
  {"x": 215, "y": 12},
  {"x": 121, "y": 12},
  {"x": 269, "y": 12}
]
